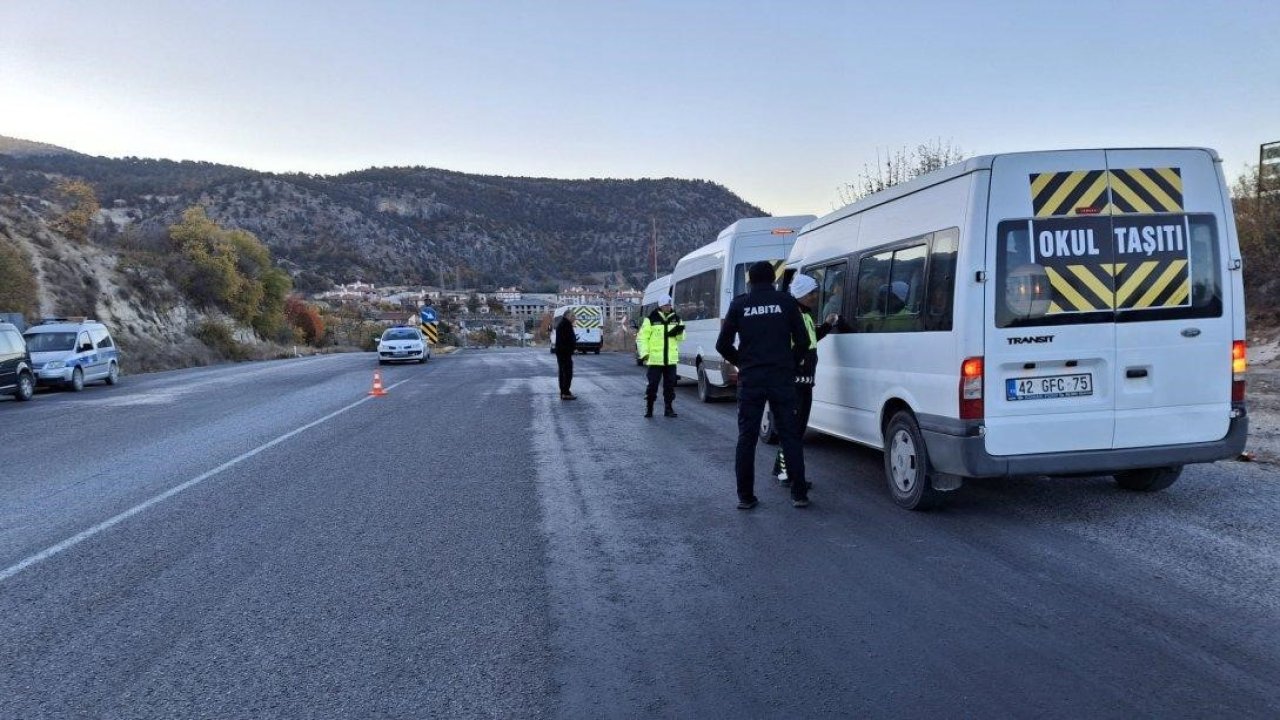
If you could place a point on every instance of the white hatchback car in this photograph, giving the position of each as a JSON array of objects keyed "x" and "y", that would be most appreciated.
[{"x": 402, "y": 344}]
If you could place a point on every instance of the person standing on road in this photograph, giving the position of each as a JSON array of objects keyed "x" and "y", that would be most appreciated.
[
  {"x": 772, "y": 340},
  {"x": 805, "y": 290},
  {"x": 563, "y": 344},
  {"x": 658, "y": 345}
]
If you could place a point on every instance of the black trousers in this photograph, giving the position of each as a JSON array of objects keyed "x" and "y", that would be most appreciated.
[
  {"x": 781, "y": 396},
  {"x": 564, "y": 362},
  {"x": 804, "y": 405},
  {"x": 667, "y": 374}
]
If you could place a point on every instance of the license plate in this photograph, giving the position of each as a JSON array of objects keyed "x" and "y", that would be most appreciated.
[{"x": 1048, "y": 387}]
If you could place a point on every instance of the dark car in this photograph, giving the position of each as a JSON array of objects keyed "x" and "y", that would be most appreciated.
[{"x": 16, "y": 376}]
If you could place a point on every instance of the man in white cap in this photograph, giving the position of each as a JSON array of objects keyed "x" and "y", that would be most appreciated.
[
  {"x": 805, "y": 290},
  {"x": 658, "y": 345}
]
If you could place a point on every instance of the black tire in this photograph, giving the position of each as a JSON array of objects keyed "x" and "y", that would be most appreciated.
[
  {"x": 77, "y": 380},
  {"x": 422, "y": 359},
  {"x": 113, "y": 374},
  {"x": 382, "y": 362},
  {"x": 596, "y": 352},
  {"x": 26, "y": 386},
  {"x": 1148, "y": 479},
  {"x": 906, "y": 464},
  {"x": 768, "y": 431}
]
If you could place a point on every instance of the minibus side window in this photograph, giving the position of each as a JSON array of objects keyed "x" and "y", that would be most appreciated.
[
  {"x": 903, "y": 297},
  {"x": 940, "y": 296},
  {"x": 873, "y": 274},
  {"x": 830, "y": 292},
  {"x": 695, "y": 297}
]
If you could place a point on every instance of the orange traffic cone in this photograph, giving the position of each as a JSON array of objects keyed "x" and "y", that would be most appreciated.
[{"x": 377, "y": 390}]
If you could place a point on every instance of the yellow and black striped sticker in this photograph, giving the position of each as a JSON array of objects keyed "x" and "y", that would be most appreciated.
[
  {"x": 1146, "y": 190},
  {"x": 1152, "y": 284},
  {"x": 431, "y": 331},
  {"x": 1079, "y": 288},
  {"x": 588, "y": 317},
  {"x": 1067, "y": 194},
  {"x": 1106, "y": 192}
]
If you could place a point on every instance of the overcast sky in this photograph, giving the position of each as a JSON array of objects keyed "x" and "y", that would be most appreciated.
[{"x": 782, "y": 102}]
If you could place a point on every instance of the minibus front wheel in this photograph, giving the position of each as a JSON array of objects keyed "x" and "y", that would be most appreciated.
[
  {"x": 1148, "y": 479},
  {"x": 906, "y": 464}
]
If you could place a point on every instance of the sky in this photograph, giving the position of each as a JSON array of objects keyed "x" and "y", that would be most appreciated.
[{"x": 781, "y": 102}]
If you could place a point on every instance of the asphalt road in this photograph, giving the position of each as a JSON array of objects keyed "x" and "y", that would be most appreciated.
[{"x": 264, "y": 540}]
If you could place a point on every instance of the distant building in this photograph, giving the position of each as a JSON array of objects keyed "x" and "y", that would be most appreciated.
[{"x": 529, "y": 307}]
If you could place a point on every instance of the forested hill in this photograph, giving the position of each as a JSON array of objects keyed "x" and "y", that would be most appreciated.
[{"x": 402, "y": 225}]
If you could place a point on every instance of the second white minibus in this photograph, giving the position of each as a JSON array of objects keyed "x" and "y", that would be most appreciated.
[{"x": 706, "y": 280}]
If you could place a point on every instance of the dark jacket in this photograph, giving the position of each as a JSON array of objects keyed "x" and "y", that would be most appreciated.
[
  {"x": 565, "y": 341},
  {"x": 772, "y": 339}
]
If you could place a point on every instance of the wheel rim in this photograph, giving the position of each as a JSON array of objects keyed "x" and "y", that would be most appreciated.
[
  {"x": 77, "y": 379},
  {"x": 25, "y": 386},
  {"x": 702, "y": 383},
  {"x": 114, "y": 373},
  {"x": 766, "y": 423},
  {"x": 902, "y": 461}
]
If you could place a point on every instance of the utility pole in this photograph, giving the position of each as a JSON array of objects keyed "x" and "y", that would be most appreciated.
[{"x": 653, "y": 243}]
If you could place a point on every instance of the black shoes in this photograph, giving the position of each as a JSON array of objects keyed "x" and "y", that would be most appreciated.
[
  {"x": 800, "y": 502},
  {"x": 669, "y": 412},
  {"x": 568, "y": 396},
  {"x": 748, "y": 504},
  {"x": 648, "y": 408}
]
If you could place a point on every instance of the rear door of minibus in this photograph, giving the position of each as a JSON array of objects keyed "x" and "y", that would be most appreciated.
[
  {"x": 1173, "y": 309},
  {"x": 1050, "y": 345}
]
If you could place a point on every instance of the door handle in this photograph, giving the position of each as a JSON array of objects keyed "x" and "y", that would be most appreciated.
[
  {"x": 1191, "y": 332},
  {"x": 1135, "y": 373}
]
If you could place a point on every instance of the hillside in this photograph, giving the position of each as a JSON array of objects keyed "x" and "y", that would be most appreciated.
[
  {"x": 402, "y": 225},
  {"x": 26, "y": 148}
]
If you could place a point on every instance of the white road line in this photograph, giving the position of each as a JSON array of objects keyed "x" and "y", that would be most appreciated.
[{"x": 107, "y": 524}]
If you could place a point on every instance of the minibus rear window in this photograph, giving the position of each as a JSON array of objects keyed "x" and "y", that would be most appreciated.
[{"x": 1126, "y": 268}]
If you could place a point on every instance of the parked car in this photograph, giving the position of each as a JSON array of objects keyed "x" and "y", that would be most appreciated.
[
  {"x": 71, "y": 352},
  {"x": 402, "y": 344},
  {"x": 16, "y": 376}
]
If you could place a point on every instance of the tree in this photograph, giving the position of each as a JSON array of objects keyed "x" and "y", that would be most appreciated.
[
  {"x": 228, "y": 269},
  {"x": 82, "y": 206},
  {"x": 305, "y": 319},
  {"x": 1258, "y": 228},
  {"x": 17, "y": 280},
  {"x": 898, "y": 167}
]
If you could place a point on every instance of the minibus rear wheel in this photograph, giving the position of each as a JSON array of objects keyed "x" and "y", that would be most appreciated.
[
  {"x": 906, "y": 464},
  {"x": 1148, "y": 479}
]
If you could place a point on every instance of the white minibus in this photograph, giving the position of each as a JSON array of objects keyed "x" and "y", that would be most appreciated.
[
  {"x": 588, "y": 326},
  {"x": 1069, "y": 313},
  {"x": 706, "y": 280}
]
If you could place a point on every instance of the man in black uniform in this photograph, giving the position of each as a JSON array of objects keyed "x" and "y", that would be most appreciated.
[
  {"x": 563, "y": 344},
  {"x": 772, "y": 340}
]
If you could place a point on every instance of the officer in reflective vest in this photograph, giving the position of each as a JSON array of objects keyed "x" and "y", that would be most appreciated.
[
  {"x": 771, "y": 341},
  {"x": 805, "y": 290},
  {"x": 658, "y": 345}
]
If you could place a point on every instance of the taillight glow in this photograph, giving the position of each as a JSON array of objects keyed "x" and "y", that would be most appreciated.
[
  {"x": 971, "y": 371},
  {"x": 1239, "y": 365}
]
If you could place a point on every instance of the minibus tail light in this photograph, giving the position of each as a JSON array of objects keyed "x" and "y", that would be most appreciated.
[
  {"x": 1239, "y": 365},
  {"x": 971, "y": 371}
]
